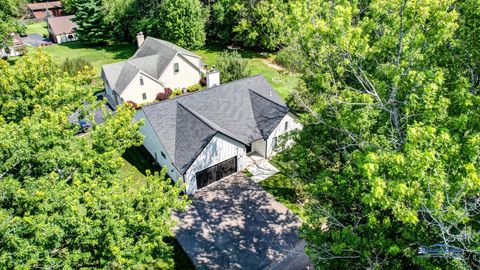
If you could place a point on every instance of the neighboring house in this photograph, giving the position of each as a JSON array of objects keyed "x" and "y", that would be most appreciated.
[
  {"x": 45, "y": 9},
  {"x": 156, "y": 65},
  {"x": 204, "y": 136},
  {"x": 16, "y": 48},
  {"x": 62, "y": 29}
]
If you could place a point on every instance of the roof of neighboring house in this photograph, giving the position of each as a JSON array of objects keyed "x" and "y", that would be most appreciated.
[
  {"x": 62, "y": 25},
  {"x": 245, "y": 110},
  {"x": 152, "y": 58},
  {"x": 45, "y": 5}
]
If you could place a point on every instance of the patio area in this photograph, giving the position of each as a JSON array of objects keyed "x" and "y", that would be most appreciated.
[{"x": 259, "y": 167}]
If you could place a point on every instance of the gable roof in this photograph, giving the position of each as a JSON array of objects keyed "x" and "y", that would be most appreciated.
[
  {"x": 45, "y": 5},
  {"x": 245, "y": 110},
  {"x": 62, "y": 25},
  {"x": 152, "y": 58}
]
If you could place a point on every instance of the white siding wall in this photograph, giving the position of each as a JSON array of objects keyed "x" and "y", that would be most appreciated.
[
  {"x": 259, "y": 147},
  {"x": 280, "y": 129},
  {"x": 65, "y": 38},
  {"x": 219, "y": 149},
  {"x": 134, "y": 90},
  {"x": 153, "y": 145},
  {"x": 194, "y": 60},
  {"x": 187, "y": 75}
]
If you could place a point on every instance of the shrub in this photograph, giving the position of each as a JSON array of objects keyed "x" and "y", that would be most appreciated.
[
  {"x": 203, "y": 81},
  {"x": 73, "y": 66},
  {"x": 232, "y": 66},
  {"x": 194, "y": 88},
  {"x": 165, "y": 94},
  {"x": 176, "y": 92}
]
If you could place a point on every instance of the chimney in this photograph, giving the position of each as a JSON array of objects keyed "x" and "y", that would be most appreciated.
[
  {"x": 140, "y": 39},
  {"x": 213, "y": 78}
]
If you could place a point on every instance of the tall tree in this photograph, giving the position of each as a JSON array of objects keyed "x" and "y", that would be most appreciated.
[
  {"x": 90, "y": 15},
  {"x": 390, "y": 148},
  {"x": 64, "y": 203},
  {"x": 232, "y": 66},
  {"x": 9, "y": 11}
]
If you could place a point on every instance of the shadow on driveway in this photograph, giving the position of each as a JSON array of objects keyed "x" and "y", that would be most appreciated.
[{"x": 235, "y": 224}]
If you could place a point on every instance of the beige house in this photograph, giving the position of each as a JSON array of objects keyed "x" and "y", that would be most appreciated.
[
  {"x": 62, "y": 29},
  {"x": 156, "y": 65}
]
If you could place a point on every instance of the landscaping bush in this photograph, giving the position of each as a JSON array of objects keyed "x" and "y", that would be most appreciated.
[
  {"x": 194, "y": 88},
  {"x": 176, "y": 92},
  {"x": 203, "y": 81},
  {"x": 232, "y": 66},
  {"x": 73, "y": 66},
  {"x": 165, "y": 94}
]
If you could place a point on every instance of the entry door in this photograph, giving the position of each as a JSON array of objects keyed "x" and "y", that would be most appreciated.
[{"x": 216, "y": 172}]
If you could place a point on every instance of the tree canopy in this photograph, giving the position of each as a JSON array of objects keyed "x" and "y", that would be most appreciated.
[
  {"x": 389, "y": 153},
  {"x": 64, "y": 202},
  {"x": 232, "y": 66}
]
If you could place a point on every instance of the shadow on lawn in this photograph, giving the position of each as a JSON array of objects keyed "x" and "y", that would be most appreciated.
[{"x": 141, "y": 159}]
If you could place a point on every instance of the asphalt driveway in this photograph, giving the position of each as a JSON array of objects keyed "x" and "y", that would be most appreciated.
[{"x": 235, "y": 224}]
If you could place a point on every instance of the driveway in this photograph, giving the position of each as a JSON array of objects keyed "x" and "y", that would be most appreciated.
[
  {"x": 235, "y": 224},
  {"x": 35, "y": 40}
]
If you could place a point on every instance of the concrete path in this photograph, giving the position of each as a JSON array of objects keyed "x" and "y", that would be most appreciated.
[
  {"x": 259, "y": 167},
  {"x": 235, "y": 224}
]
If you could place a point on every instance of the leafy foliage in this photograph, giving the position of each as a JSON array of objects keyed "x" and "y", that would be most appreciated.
[
  {"x": 9, "y": 11},
  {"x": 92, "y": 28},
  {"x": 390, "y": 148},
  {"x": 232, "y": 66},
  {"x": 64, "y": 203},
  {"x": 74, "y": 66}
]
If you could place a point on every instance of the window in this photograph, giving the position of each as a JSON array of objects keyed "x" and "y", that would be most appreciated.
[
  {"x": 144, "y": 95},
  {"x": 286, "y": 126},
  {"x": 163, "y": 155},
  {"x": 141, "y": 80},
  {"x": 176, "y": 69},
  {"x": 274, "y": 143},
  {"x": 156, "y": 159}
]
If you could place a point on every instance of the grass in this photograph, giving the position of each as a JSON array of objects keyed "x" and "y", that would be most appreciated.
[
  {"x": 282, "y": 81},
  {"x": 37, "y": 28},
  {"x": 285, "y": 191},
  {"x": 136, "y": 160},
  {"x": 97, "y": 55}
]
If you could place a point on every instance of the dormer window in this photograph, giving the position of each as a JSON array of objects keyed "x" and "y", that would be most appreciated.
[
  {"x": 176, "y": 69},
  {"x": 141, "y": 80}
]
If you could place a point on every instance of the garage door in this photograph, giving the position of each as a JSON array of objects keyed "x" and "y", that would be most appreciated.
[{"x": 216, "y": 172}]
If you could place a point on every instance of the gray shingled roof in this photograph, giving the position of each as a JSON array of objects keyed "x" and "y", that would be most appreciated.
[
  {"x": 245, "y": 110},
  {"x": 152, "y": 58}
]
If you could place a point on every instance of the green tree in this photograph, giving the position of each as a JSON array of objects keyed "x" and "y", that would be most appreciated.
[
  {"x": 92, "y": 28},
  {"x": 9, "y": 11},
  {"x": 390, "y": 148},
  {"x": 232, "y": 66},
  {"x": 64, "y": 203},
  {"x": 179, "y": 21}
]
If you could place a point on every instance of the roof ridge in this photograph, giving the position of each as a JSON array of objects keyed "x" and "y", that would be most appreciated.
[
  {"x": 283, "y": 106},
  {"x": 204, "y": 90}
]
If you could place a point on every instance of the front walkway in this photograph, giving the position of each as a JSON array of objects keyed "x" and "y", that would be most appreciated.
[
  {"x": 235, "y": 224},
  {"x": 259, "y": 167}
]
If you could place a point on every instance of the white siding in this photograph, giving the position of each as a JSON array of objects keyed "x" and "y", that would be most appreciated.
[
  {"x": 66, "y": 38},
  {"x": 259, "y": 147},
  {"x": 134, "y": 90},
  {"x": 153, "y": 145},
  {"x": 187, "y": 75},
  {"x": 193, "y": 59},
  {"x": 280, "y": 129},
  {"x": 219, "y": 149}
]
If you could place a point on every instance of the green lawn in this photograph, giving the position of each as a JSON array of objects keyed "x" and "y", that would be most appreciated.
[
  {"x": 282, "y": 81},
  {"x": 97, "y": 55},
  {"x": 39, "y": 28},
  {"x": 285, "y": 191}
]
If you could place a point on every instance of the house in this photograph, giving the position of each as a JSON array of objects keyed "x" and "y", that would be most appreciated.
[
  {"x": 16, "y": 47},
  {"x": 62, "y": 29},
  {"x": 156, "y": 65},
  {"x": 205, "y": 136},
  {"x": 45, "y": 9}
]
